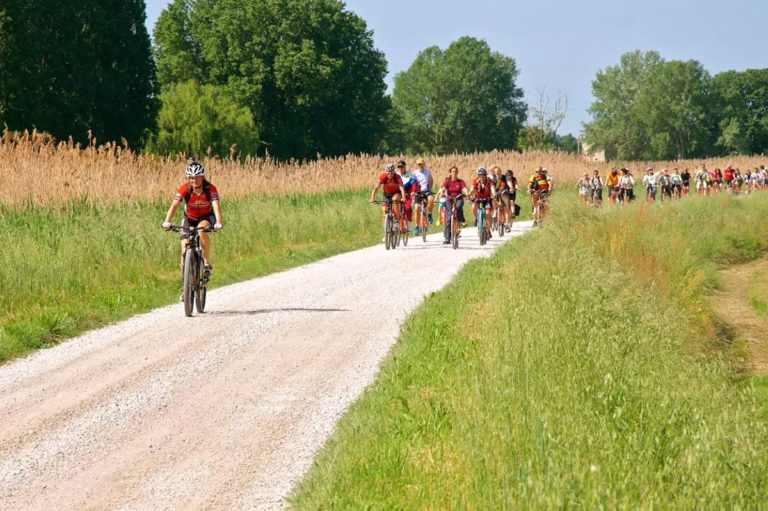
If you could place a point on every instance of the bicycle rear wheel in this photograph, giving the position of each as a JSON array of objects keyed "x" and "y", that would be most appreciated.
[{"x": 188, "y": 290}]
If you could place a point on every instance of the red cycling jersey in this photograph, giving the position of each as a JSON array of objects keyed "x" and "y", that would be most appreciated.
[
  {"x": 482, "y": 191},
  {"x": 728, "y": 174},
  {"x": 390, "y": 185},
  {"x": 454, "y": 188},
  {"x": 198, "y": 206}
]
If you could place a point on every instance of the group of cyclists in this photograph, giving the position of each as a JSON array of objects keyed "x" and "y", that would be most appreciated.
[
  {"x": 666, "y": 184},
  {"x": 491, "y": 190}
]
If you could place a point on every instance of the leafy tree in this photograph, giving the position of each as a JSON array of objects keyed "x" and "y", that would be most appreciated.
[
  {"x": 675, "y": 106},
  {"x": 567, "y": 143},
  {"x": 70, "y": 67},
  {"x": 197, "y": 117},
  {"x": 741, "y": 101},
  {"x": 617, "y": 126},
  {"x": 544, "y": 119},
  {"x": 306, "y": 69},
  {"x": 461, "y": 99}
]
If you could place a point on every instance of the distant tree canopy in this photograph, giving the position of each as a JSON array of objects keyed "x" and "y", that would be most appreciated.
[
  {"x": 306, "y": 69},
  {"x": 70, "y": 67},
  {"x": 197, "y": 118},
  {"x": 648, "y": 108},
  {"x": 461, "y": 99}
]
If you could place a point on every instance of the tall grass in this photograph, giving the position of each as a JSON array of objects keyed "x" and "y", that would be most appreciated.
[
  {"x": 64, "y": 270},
  {"x": 573, "y": 369},
  {"x": 35, "y": 169}
]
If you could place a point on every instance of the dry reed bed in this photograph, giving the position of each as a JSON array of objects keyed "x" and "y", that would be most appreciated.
[{"x": 34, "y": 168}]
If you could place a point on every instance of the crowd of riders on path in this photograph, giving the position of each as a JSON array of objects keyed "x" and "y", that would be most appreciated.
[
  {"x": 491, "y": 191},
  {"x": 667, "y": 185}
]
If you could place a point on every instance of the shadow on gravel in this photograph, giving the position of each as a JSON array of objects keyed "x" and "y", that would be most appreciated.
[{"x": 267, "y": 311}]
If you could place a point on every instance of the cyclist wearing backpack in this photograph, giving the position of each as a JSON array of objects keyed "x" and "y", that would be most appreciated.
[{"x": 201, "y": 209}]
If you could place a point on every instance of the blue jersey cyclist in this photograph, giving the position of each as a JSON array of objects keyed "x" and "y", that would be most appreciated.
[{"x": 411, "y": 187}]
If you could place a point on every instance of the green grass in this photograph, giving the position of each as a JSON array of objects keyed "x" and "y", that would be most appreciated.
[
  {"x": 63, "y": 271},
  {"x": 577, "y": 368}
]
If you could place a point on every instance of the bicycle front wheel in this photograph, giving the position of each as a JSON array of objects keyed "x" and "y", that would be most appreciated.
[
  {"x": 188, "y": 291},
  {"x": 455, "y": 233},
  {"x": 388, "y": 232},
  {"x": 404, "y": 232}
]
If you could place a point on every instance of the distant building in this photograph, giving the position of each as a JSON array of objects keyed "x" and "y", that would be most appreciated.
[{"x": 596, "y": 156}]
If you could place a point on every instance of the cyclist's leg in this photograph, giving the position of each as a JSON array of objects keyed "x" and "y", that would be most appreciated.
[
  {"x": 460, "y": 210},
  {"x": 397, "y": 206},
  {"x": 205, "y": 239},
  {"x": 184, "y": 238}
]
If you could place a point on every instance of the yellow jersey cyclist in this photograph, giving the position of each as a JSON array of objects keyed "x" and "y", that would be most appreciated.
[{"x": 539, "y": 187}]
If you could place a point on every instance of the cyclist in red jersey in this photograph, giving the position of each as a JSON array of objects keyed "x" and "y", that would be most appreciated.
[
  {"x": 392, "y": 189},
  {"x": 201, "y": 209},
  {"x": 453, "y": 188},
  {"x": 484, "y": 191}
]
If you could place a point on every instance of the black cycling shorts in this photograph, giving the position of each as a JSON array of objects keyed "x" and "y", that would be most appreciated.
[{"x": 186, "y": 224}]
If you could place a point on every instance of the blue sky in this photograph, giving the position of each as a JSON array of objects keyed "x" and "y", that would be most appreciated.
[{"x": 560, "y": 45}]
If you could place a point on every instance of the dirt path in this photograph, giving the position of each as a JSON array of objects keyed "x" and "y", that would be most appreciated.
[
  {"x": 743, "y": 305},
  {"x": 219, "y": 411}
]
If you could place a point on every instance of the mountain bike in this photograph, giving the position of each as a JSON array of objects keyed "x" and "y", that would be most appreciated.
[
  {"x": 540, "y": 209},
  {"x": 194, "y": 279},
  {"x": 404, "y": 231},
  {"x": 482, "y": 225},
  {"x": 391, "y": 227},
  {"x": 501, "y": 221},
  {"x": 422, "y": 210},
  {"x": 454, "y": 227}
]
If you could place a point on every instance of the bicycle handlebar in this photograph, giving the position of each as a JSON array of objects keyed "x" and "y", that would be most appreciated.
[{"x": 179, "y": 228}]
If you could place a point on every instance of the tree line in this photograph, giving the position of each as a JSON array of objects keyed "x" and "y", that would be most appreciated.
[
  {"x": 302, "y": 79},
  {"x": 646, "y": 108}
]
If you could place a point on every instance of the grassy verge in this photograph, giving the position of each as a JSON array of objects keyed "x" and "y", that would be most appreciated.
[
  {"x": 576, "y": 368},
  {"x": 66, "y": 270}
]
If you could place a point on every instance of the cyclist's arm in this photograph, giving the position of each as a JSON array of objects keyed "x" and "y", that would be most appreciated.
[
  {"x": 431, "y": 183},
  {"x": 465, "y": 192},
  {"x": 373, "y": 193},
  {"x": 172, "y": 210},
  {"x": 217, "y": 212}
]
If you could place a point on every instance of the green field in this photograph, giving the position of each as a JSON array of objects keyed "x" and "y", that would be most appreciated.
[
  {"x": 578, "y": 368},
  {"x": 63, "y": 271}
]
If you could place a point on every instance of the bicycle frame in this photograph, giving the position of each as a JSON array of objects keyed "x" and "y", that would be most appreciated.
[
  {"x": 194, "y": 281},
  {"x": 391, "y": 226}
]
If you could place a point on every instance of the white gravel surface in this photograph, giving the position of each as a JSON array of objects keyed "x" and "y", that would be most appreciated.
[{"x": 224, "y": 410}]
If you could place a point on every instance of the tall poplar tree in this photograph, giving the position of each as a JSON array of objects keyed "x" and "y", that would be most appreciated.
[{"x": 70, "y": 67}]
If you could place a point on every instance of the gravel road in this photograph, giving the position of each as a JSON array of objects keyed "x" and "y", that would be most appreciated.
[{"x": 224, "y": 410}]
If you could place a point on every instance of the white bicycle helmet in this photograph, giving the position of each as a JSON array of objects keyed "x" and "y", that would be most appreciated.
[
  {"x": 481, "y": 171},
  {"x": 194, "y": 169},
  {"x": 389, "y": 167}
]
